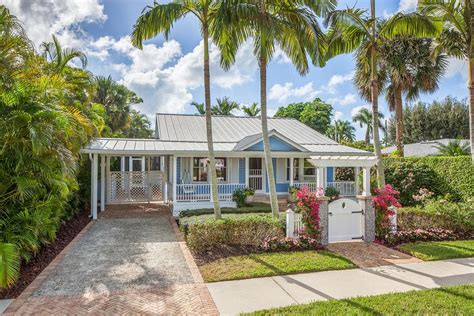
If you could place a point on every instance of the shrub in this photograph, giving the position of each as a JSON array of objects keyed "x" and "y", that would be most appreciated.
[
  {"x": 332, "y": 193},
  {"x": 440, "y": 213},
  {"x": 248, "y": 231},
  {"x": 384, "y": 200},
  {"x": 288, "y": 243},
  {"x": 239, "y": 196},
  {"x": 429, "y": 234},
  {"x": 308, "y": 206},
  {"x": 254, "y": 207},
  {"x": 440, "y": 175}
]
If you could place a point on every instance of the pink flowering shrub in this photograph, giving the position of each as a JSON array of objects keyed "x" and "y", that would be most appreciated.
[
  {"x": 289, "y": 243},
  {"x": 384, "y": 199},
  {"x": 308, "y": 206},
  {"x": 429, "y": 234}
]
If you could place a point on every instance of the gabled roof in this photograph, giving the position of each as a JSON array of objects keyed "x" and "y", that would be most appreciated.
[{"x": 251, "y": 140}]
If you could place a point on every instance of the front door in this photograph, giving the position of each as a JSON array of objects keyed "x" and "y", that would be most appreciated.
[{"x": 256, "y": 174}]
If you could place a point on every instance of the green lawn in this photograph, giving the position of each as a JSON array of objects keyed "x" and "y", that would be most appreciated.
[
  {"x": 455, "y": 300},
  {"x": 276, "y": 263},
  {"x": 439, "y": 250}
]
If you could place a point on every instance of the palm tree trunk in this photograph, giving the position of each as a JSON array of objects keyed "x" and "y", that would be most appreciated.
[
  {"x": 266, "y": 140},
  {"x": 375, "y": 103},
  {"x": 367, "y": 134},
  {"x": 399, "y": 121},
  {"x": 210, "y": 144},
  {"x": 471, "y": 104}
]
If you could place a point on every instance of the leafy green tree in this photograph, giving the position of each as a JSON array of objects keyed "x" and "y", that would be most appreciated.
[
  {"x": 316, "y": 114},
  {"x": 341, "y": 130},
  {"x": 160, "y": 18},
  {"x": 291, "y": 25},
  {"x": 225, "y": 106},
  {"x": 364, "y": 117},
  {"x": 253, "y": 110},
  {"x": 59, "y": 57},
  {"x": 355, "y": 30},
  {"x": 139, "y": 127},
  {"x": 456, "y": 39},
  {"x": 448, "y": 118},
  {"x": 453, "y": 148}
]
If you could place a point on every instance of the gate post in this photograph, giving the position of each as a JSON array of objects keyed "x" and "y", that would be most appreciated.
[
  {"x": 368, "y": 210},
  {"x": 324, "y": 219}
]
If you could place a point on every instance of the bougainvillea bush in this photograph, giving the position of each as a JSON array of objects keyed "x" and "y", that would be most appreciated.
[
  {"x": 308, "y": 206},
  {"x": 385, "y": 199}
]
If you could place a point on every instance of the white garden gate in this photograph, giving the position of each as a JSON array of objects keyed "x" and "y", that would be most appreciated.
[
  {"x": 345, "y": 220},
  {"x": 135, "y": 186}
]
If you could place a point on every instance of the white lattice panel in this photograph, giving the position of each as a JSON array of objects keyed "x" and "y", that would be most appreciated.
[{"x": 135, "y": 186}]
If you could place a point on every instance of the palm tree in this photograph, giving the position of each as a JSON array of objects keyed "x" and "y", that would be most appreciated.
[
  {"x": 158, "y": 19},
  {"x": 342, "y": 131},
  {"x": 59, "y": 57},
  {"x": 253, "y": 110},
  {"x": 456, "y": 39},
  {"x": 200, "y": 108},
  {"x": 290, "y": 25},
  {"x": 410, "y": 70},
  {"x": 453, "y": 148},
  {"x": 225, "y": 106},
  {"x": 364, "y": 117},
  {"x": 354, "y": 30}
]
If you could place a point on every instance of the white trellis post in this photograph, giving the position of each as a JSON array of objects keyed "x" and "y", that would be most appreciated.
[
  {"x": 366, "y": 182},
  {"x": 94, "y": 175},
  {"x": 320, "y": 178},
  {"x": 102, "y": 183},
  {"x": 290, "y": 223}
]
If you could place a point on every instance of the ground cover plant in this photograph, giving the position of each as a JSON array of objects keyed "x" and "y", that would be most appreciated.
[
  {"x": 273, "y": 263},
  {"x": 454, "y": 300},
  {"x": 440, "y": 250}
]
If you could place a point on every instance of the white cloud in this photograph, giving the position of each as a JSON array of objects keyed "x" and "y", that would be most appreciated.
[
  {"x": 407, "y": 5},
  {"x": 336, "y": 80},
  {"x": 356, "y": 110},
  {"x": 346, "y": 100},
  {"x": 338, "y": 115},
  {"x": 42, "y": 18},
  {"x": 287, "y": 90},
  {"x": 456, "y": 67},
  {"x": 165, "y": 78}
]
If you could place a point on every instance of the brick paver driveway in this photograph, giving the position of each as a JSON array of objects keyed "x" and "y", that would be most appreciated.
[{"x": 131, "y": 260}]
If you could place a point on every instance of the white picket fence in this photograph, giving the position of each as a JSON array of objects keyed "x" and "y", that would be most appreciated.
[{"x": 294, "y": 225}]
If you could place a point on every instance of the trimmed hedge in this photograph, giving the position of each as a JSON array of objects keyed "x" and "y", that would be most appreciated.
[
  {"x": 250, "y": 231},
  {"x": 254, "y": 207},
  {"x": 440, "y": 175}
]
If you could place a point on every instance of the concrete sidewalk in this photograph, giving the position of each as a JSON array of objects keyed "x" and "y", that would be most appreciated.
[{"x": 234, "y": 297}]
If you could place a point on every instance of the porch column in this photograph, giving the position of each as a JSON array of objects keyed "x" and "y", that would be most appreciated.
[
  {"x": 246, "y": 172},
  {"x": 143, "y": 164},
  {"x": 320, "y": 177},
  {"x": 366, "y": 182},
  {"x": 107, "y": 178},
  {"x": 301, "y": 170},
  {"x": 291, "y": 170},
  {"x": 175, "y": 177},
  {"x": 122, "y": 163},
  {"x": 102, "y": 183},
  {"x": 130, "y": 164},
  {"x": 94, "y": 175}
]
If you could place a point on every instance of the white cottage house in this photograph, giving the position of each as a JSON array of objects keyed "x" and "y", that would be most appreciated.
[{"x": 173, "y": 167}]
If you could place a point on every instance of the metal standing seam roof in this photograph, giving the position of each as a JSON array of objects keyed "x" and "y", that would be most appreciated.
[{"x": 187, "y": 133}]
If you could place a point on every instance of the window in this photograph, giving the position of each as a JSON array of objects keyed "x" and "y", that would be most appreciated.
[
  {"x": 200, "y": 170},
  {"x": 295, "y": 169},
  {"x": 309, "y": 171}
]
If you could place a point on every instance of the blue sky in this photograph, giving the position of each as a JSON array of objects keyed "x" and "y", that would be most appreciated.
[{"x": 168, "y": 75}]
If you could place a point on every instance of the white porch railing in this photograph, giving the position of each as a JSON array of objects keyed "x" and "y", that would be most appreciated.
[
  {"x": 196, "y": 192},
  {"x": 345, "y": 188}
]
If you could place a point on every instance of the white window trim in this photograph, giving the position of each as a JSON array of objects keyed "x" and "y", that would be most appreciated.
[{"x": 191, "y": 167}]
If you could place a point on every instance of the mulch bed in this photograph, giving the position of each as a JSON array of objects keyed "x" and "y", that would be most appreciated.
[{"x": 29, "y": 271}]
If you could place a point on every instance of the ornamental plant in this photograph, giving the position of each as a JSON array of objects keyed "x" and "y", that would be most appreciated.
[
  {"x": 239, "y": 196},
  {"x": 308, "y": 206},
  {"x": 384, "y": 201}
]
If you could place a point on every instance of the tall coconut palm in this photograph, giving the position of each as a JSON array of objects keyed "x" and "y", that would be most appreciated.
[
  {"x": 456, "y": 39},
  {"x": 354, "y": 30},
  {"x": 342, "y": 130},
  {"x": 364, "y": 117},
  {"x": 225, "y": 106},
  {"x": 253, "y": 110},
  {"x": 410, "y": 70},
  {"x": 200, "y": 108},
  {"x": 290, "y": 25},
  {"x": 59, "y": 57},
  {"x": 160, "y": 18}
]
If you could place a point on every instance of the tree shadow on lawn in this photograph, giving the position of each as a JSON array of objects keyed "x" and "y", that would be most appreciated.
[{"x": 291, "y": 280}]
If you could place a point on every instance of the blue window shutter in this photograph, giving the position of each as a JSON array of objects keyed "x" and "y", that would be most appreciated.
[
  {"x": 330, "y": 174},
  {"x": 242, "y": 170},
  {"x": 178, "y": 170}
]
